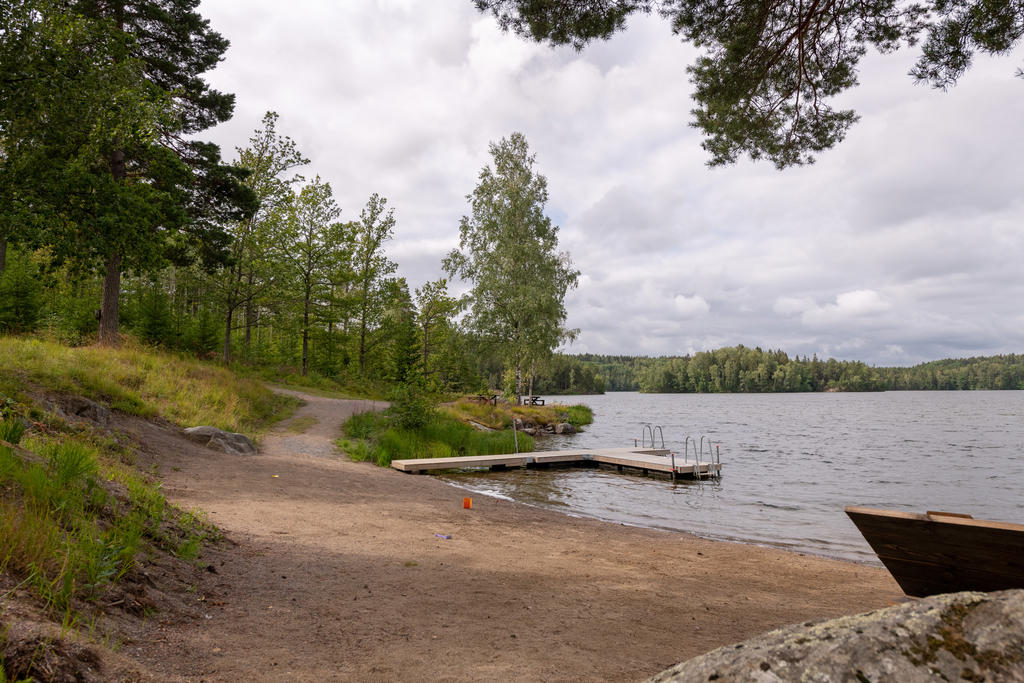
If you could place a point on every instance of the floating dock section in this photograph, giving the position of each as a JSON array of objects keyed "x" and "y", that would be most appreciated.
[{"x": 649, "y": 460}]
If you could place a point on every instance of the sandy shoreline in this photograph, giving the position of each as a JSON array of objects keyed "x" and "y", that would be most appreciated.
[{"x": 335, "y": 571}]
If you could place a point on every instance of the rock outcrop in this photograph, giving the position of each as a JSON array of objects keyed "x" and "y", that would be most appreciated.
[
  {"x": 564, "y": 428},
  {"x": 219, "y": 440},
  {"x": 79, "y": 406},
  {"x": 955, "y": 637}
]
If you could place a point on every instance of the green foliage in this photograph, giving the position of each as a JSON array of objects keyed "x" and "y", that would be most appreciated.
[
  {"x": 579, "y": 415},
  {"x": 101, "y": 164},
  {"x": 144, "y": 382},
  {"x": 508, "y": 249},
  {"x": 50, "y": 528},
  {"x": 562, "y": 374},
  {"x": 993, "y": 372},
  {"x": 768, "y": 71},
  {"x": 11, "y": 430},
  {"x": 380, "y": 440},
  {"x": 364, "y": 425},
  {"x": 155, "y": 322},
  {"x": 370, "y": 270},
  {"x": 745, "y": 370},
  {"x": 20, "y": 295},
  {"x": 411, "y": 407}
]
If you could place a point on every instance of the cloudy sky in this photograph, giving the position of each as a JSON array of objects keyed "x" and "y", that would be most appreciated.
[{"x": 904, "y": 244}]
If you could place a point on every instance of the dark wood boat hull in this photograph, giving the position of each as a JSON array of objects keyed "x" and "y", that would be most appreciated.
[{"x": 939, "y": 553}]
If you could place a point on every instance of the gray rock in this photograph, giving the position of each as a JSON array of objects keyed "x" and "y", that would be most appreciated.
[
  {"x": 78, "y": 406},
  {"x": 219, "y": 440},
  {"x": 958, "y": 636},
  {"x": 564, "y": 428}
]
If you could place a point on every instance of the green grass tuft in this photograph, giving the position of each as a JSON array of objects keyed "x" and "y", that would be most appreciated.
[
  {"x": 373, "y": 437},
  {"x": 141, "y": 381}
]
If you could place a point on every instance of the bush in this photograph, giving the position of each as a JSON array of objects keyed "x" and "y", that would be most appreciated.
[
  {"x": 411, "y": 407},
  {"x": 20, "y": 295},
  {"x": 381, "y": 440},
  {"x": 579, "y": 415}
]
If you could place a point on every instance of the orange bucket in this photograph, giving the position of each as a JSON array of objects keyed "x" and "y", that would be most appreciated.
[{"x": 467, "y": 503}]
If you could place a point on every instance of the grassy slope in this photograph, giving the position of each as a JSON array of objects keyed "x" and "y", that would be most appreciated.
[
  {"x": 139, "y": 381},
  {"x": 75, "y": 515}
]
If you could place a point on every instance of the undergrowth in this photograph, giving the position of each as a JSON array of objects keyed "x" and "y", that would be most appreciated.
[
  {"x": 377, "y": 438},
  {"x": 140, "y": 381},
  {"x": 315, "y": 383},
  {"x": 500, "y": 416},
  {"x": 73, "y": 519}
]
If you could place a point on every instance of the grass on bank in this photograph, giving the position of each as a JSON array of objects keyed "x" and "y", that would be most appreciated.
[
  {"x": 412, "y": 428},
  {"x": 75, "y": 515},
  {"x": 376, "y": 437},
  {"x": 73, "y": 518},
  {"x": 500, "y": 416},
  {"x": 141, "y": 381}
]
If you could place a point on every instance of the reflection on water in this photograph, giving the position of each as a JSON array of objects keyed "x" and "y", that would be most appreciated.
[{"x": 791, "y": 462}]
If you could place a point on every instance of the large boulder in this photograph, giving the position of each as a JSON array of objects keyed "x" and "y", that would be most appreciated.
[
  {"x": 79, "y": 406},
  {"x": 219, "y": 440},
  {"x": 564, "y": 428},
  {"x": 954, "y": 637}
]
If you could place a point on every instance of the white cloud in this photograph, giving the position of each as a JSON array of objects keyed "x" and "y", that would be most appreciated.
[
  {"x": 690, "y": 306},
  {"x": 848, "y": 307},
  {"x": 908, "y": 236}
]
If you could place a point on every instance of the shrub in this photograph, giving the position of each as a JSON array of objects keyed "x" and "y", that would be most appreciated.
[
  {"x": 411, "y": 407},
  {"x": 579, "y": 415}
]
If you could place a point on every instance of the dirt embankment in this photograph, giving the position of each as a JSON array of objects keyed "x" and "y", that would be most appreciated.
[{"x": 335, "y": 570}]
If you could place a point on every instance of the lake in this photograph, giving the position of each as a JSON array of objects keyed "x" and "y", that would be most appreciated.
[{"x": 791, "y": 463}]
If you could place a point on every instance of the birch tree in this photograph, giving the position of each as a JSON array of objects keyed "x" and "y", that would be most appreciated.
[
  {"x": 315, "y": 240},
  {"x": 376, "y": 226},
  {"x": 508, "y": 249},
  {"x": 270, "y": 159}
]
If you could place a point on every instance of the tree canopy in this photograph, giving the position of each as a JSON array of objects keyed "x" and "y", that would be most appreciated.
[
  {"x": 508, "y": 250},
  {"x": 101, "y": 102},
  {"x": 769, "y": 69}
]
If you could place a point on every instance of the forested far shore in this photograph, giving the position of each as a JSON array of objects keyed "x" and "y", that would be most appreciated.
[{"x": 740, "y": 369}]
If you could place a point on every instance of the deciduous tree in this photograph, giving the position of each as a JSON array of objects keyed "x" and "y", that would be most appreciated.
[
  {"x": 255, "y": 246},
  {"x": 376, "y": 226},
  {"x": 101, "y": 136},
  {"x": 508, "y": 249}
]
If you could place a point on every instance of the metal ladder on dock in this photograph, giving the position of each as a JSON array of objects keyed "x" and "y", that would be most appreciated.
[
  {"x": 714, "y": 462},
  {"x": 648, "y": 428}
]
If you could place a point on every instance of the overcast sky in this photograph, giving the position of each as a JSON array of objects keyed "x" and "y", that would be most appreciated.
[{"x": 903, "y": 244}]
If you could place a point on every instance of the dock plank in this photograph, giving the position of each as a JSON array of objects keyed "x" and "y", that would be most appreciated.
[{"x": 655, "y": 460}]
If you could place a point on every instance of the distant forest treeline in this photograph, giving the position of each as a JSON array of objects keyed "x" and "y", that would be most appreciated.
[{"x": 740, "y": 369}]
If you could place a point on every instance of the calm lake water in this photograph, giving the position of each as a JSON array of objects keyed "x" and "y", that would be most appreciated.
[{"x": 791, "y": 463}]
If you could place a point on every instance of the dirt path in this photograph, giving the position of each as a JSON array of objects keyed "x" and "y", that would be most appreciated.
[{"x": 335, "y": 573}]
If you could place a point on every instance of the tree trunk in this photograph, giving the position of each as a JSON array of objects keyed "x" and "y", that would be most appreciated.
[
  {"x": 226, "y": 356},
  {"x": 425, "y": 373},
  {"x": 109, "y": 304},
  {"x": 362, "y": 341},
  {"x": 305, "y": 334},
  {"x": 531, "y": 380},
  {"x": 519, "y": 382},
  {"x": 112, "y": 278},
  {"x": 250, "y": 312},
  {"x": 3, "y": 254}
]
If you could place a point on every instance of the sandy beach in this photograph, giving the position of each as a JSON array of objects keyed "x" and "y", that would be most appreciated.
[{"x": 334, "y": 570}]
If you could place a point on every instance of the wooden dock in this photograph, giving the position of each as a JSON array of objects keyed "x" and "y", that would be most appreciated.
[{"x": 639, "y": 459}]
